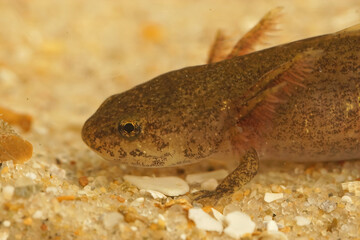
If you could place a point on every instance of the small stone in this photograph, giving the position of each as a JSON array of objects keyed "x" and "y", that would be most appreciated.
[
  {"x": 202, "y": 177},
  {"x": 302, "y": 221},
  {"x": 6, "y": 223},
  {"x": 209, "y": 185},
  {"x": 239, "y": 224},
  {"x": 13, "y": 145},
  {"x": 204, "y": 221},
  {"x": 270, "y": 197},
  {"x": 170, "y": 186},
  {"x": 43, "y": 227},
  {"x": 38, "y": 214},
  {"x": 28, "y": 221},
  {"x": 139, "y": 200},
  {"x": 83, "y": 181},
  {"x": 111, "y": 219},
  {"x": 272, "y": 226},
  {"x": 8, "y": 192}
]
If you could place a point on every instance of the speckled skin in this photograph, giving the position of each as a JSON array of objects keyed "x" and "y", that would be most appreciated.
[{"x": 187, "y": 115}]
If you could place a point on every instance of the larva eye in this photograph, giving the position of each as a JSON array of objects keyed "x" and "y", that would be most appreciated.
[{"x": 129, "y": 129}]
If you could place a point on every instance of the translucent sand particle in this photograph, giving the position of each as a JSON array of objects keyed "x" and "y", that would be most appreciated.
[
  {"x": 170, "y": 186},
  {"x": 8, "y": 192},
  {"x": 302, "y": 221},
  {"x": 38, "y": 214},
  {"x": 204, "y": 221},
  {"x": 239, "y": 224},
  {"x": 31, "y": 175},
  {"x": 328, "y": 206},
  {"x": 270, "y": 197}
]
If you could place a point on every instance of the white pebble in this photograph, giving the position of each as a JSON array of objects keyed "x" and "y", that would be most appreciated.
[
  {"x": 111, "y": 219},
  {"x": 346, "y": 199},
  {"x": 201, "y": 177},
  {"x": 302, "y": 221},
  {"x": 238, "y": 224},
  {"x": 204, "y": 221},
  {"x": 8, "y": 192},
  {"x": 209, "y": 184},
  {"x": 272, "y": 226},
  {"x": 38, "y": 214},
  {"x": 270, "y": 197},
  {"x": 170, "y": 186},
  {"x": 6, "y": 223}
]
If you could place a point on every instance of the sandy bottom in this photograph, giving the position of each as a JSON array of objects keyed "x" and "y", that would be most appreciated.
[{"x": 60, "y": 59}]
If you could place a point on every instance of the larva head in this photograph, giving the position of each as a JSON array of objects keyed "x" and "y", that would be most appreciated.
[{"x": 149, "y": 131}]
